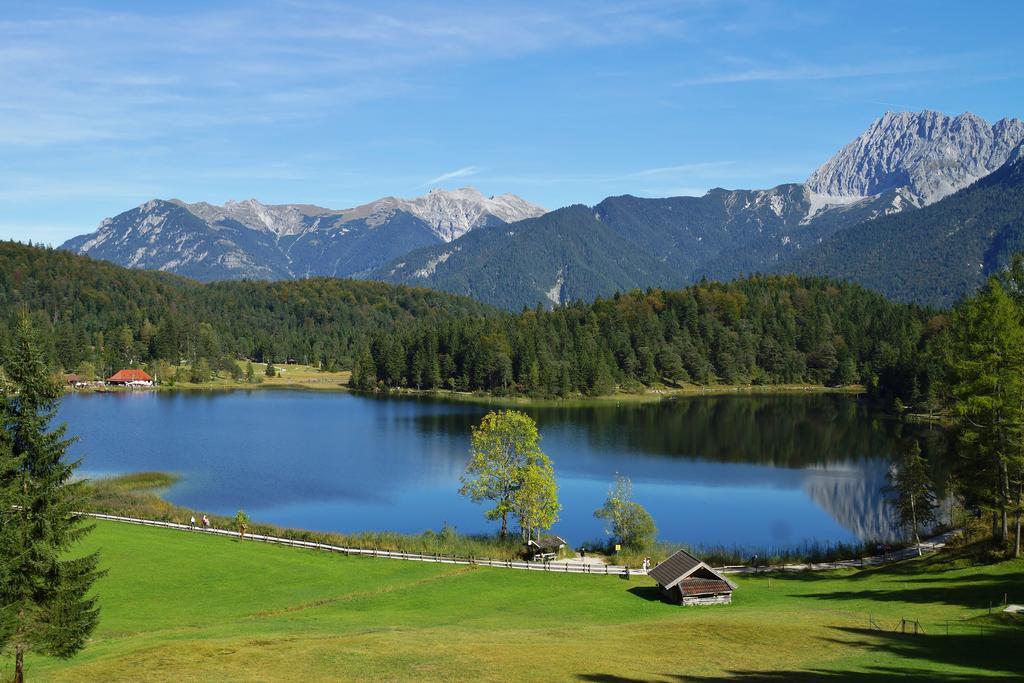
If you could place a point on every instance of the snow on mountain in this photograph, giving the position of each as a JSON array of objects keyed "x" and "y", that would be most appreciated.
[{"x": 928, "y": 153}]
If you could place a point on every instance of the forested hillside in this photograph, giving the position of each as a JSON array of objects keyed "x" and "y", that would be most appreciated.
[
  {"x": 565, "y": 255},
  {"x": 761, "y": 330},
  {"x": 937, "y": 254},
  {"x": 109, "y": 316}
]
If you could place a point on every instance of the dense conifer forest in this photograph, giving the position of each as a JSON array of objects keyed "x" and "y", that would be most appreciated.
[
  {"x": 98, "y": 317},
  {"x": 108, "y": 317},
  {"x": 760, "y": 330}
]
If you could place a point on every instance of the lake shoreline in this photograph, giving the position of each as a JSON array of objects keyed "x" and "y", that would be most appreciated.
[
  {"x": 649, "y": 396},
  {"x": 139, "y": 495},
  {"x": 774, "y": 469}
]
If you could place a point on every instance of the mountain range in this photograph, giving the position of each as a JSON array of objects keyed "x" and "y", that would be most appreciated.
[
  {"x": 248, "y": 239},
  {"x": 921, "y": 206}
]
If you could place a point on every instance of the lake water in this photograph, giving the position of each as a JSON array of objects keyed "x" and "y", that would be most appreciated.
[{"x": 725, "y": 470}]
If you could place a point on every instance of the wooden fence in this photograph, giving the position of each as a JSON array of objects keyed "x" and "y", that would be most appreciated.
[
  {"x": 569, "y": 567},
  {"x": 565, "y": 566}
]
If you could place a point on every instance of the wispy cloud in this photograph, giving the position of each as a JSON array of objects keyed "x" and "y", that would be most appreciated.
[
  {"x": 698, "y": 168},
  {"x": 463, "y": 172},
  {"x": 819, "y": 72},
  {"x": 91, "y": 75}
]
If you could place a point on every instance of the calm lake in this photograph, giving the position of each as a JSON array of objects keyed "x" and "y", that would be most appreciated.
[{"x": 726, "y": 470}]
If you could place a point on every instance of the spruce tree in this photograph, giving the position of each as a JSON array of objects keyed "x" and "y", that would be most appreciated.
[
  {"x": 44, "y": 603},
  {"x": 915, "y": 500}
]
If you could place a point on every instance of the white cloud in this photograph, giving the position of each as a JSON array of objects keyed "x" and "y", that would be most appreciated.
[
  {"x": 86, "y": 75},
  {"x": 818, "y": 72},
  {"x": 457, "y": 173}
]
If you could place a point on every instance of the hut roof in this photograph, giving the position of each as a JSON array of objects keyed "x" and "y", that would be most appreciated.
[
  {"x": 695, "y": 586},
  {"x": 680, "y": 565},
  {"x": 547, "y": 543},
  {"x": 130, "y": 375}
]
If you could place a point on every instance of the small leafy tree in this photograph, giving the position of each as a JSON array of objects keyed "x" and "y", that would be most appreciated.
[
  {"x": 241, "y": 522},
  {"x": 44, "y": 602},
  {"x": 535, "y": 503},
  {"x": 627, "y": 521},
  {"x": 914, "y": 499},
  {"x": 250, "y": 374},
  {"x": 507, "y": 467},
  {"x": 87, "y": 371}
]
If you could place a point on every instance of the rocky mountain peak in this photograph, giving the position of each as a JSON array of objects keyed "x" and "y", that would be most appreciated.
[
  {"x": 453, "y": 213},
  {"x": 928, "y": 153}
]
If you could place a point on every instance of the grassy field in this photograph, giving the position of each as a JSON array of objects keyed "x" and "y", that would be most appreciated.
[
  {"x": 187, "y": 606},
  {"x": 289, "y": 376}
]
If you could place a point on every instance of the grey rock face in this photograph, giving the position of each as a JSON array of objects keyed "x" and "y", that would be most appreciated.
[
  {"x": 249, "y": 239},
  {"x": 929, "y": 154}
]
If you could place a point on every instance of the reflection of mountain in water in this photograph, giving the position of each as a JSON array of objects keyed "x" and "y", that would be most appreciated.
[{"x": 854, "y": 498}]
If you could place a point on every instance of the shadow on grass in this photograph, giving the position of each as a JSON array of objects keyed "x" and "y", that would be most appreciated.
[
  {"x": 649, "y": 593},
  {"x": 976, "y": 591},
  {"x": 876, "y": 674},
  {"x": 925, "y": 659}
]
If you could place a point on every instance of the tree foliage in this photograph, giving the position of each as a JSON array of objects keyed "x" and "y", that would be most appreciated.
[
  {"x": 988, "y": 387},
  {"x": 627, "y": 521},
  {"x": 761, "y": 330},
  {"x": 44, "y": 603},
  {"x": 113, "y": 317},
  {"x": 507, "y": 467},
  {"x": 914, "y": 494}
]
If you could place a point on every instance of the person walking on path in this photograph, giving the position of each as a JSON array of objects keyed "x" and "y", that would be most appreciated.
[
  {"x": 206, "y": 523},
  {"x": 192, "y": 522}
]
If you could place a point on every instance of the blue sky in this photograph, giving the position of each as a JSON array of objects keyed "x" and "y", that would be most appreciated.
[{"x": 106, "y": 105}]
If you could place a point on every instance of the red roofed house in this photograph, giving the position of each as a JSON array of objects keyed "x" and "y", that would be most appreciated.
[
  {"x": 685, "y": 580},
  {"x": 130, "y": 378}
]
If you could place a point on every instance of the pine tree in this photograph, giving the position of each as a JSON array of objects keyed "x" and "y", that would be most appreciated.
[
  {"x": 915, "y": 500},
  {"x": 989, "y": 384},
  {"x": 45, "y": 608},
  {"x": 250, "y": 374}
]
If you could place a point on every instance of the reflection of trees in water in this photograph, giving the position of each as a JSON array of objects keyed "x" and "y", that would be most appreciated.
[
  {"x": 845, "y": 445},
  {"x": 780, "y": 430}
]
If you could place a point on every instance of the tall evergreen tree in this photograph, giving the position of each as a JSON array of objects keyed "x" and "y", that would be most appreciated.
[
  {"x": 988, "y": 387},
  {"x": 44, "y": 606},
  {"x": 914, "y": 499}
]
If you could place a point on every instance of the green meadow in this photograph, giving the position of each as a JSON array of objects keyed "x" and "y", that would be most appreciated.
[{"x": 180, "y": 605}]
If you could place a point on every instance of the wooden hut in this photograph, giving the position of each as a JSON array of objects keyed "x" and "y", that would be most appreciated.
[
  {"x": 130, "y": 378},
  {"x": 543, "y": 549},
  {"x": 685, "y": 580}
]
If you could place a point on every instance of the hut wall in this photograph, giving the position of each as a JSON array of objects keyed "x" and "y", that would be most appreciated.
[{"x": 721, "y": 599}]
